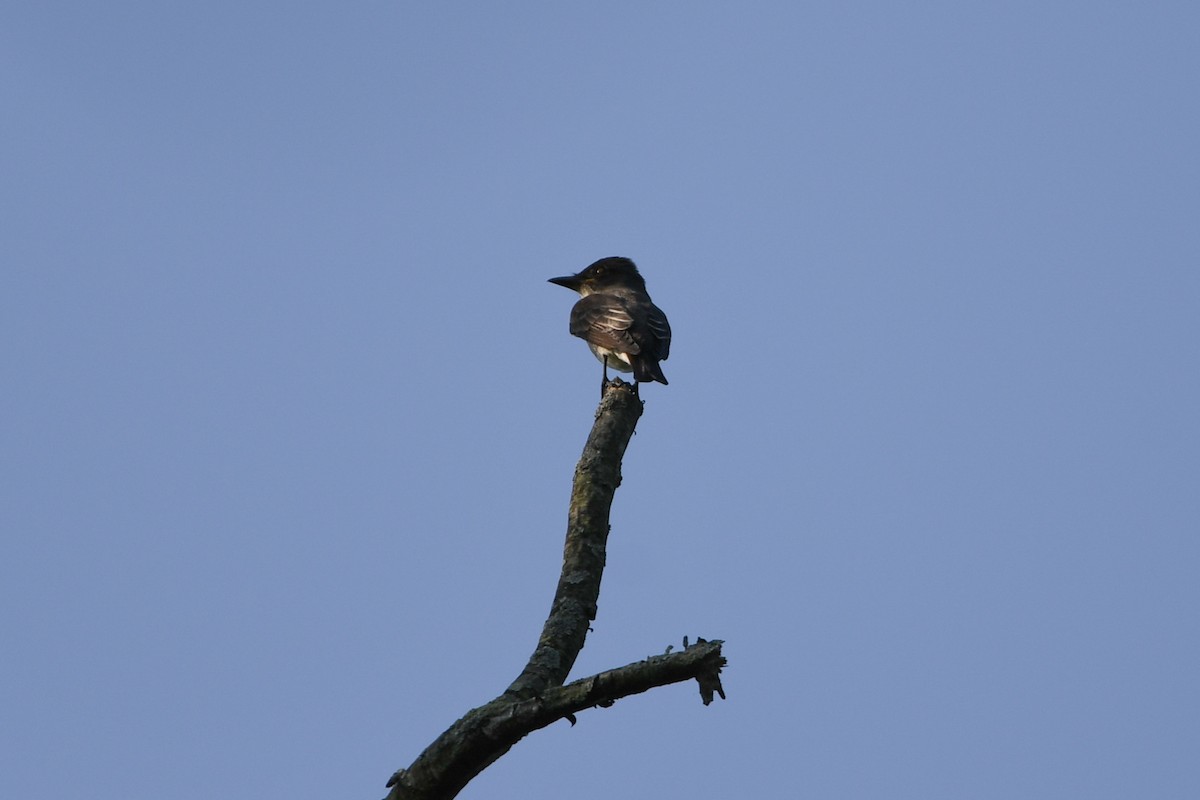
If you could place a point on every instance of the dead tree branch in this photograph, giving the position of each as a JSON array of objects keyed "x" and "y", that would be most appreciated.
[{"x": 538, "y": 697}]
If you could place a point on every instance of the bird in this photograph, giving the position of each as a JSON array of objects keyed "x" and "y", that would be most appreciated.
[{"x": 615, "y": 316}]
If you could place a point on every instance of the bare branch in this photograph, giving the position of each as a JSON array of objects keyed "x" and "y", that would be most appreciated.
[
  {"x": 537, "y": 697},
  {"x": 597, "y": 476}
]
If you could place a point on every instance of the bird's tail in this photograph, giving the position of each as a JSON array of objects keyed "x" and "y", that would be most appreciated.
[{"x": 647, "y": 369}]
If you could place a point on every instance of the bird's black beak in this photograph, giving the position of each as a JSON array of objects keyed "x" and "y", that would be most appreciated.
[{"x": 571, "y": 282}]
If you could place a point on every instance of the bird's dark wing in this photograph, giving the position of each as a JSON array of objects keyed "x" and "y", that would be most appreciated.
[
  {"x": 602, "y": 320},
  {"x": 661, "y": 330}
]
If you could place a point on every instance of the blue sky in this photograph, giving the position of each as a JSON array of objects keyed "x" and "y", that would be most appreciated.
[{"x": 290, "y": 411}]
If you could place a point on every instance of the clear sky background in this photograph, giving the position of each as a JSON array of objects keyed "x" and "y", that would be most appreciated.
[{"x": 290, "y": 412}]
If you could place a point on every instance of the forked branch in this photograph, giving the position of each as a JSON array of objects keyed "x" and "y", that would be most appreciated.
[{"x": 538, "y": 697}]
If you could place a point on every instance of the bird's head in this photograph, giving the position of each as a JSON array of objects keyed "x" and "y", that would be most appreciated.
[{"x": 607, "y": 273}]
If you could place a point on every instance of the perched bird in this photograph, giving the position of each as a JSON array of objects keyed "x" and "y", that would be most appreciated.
[{"x": 615, "y": 316}]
